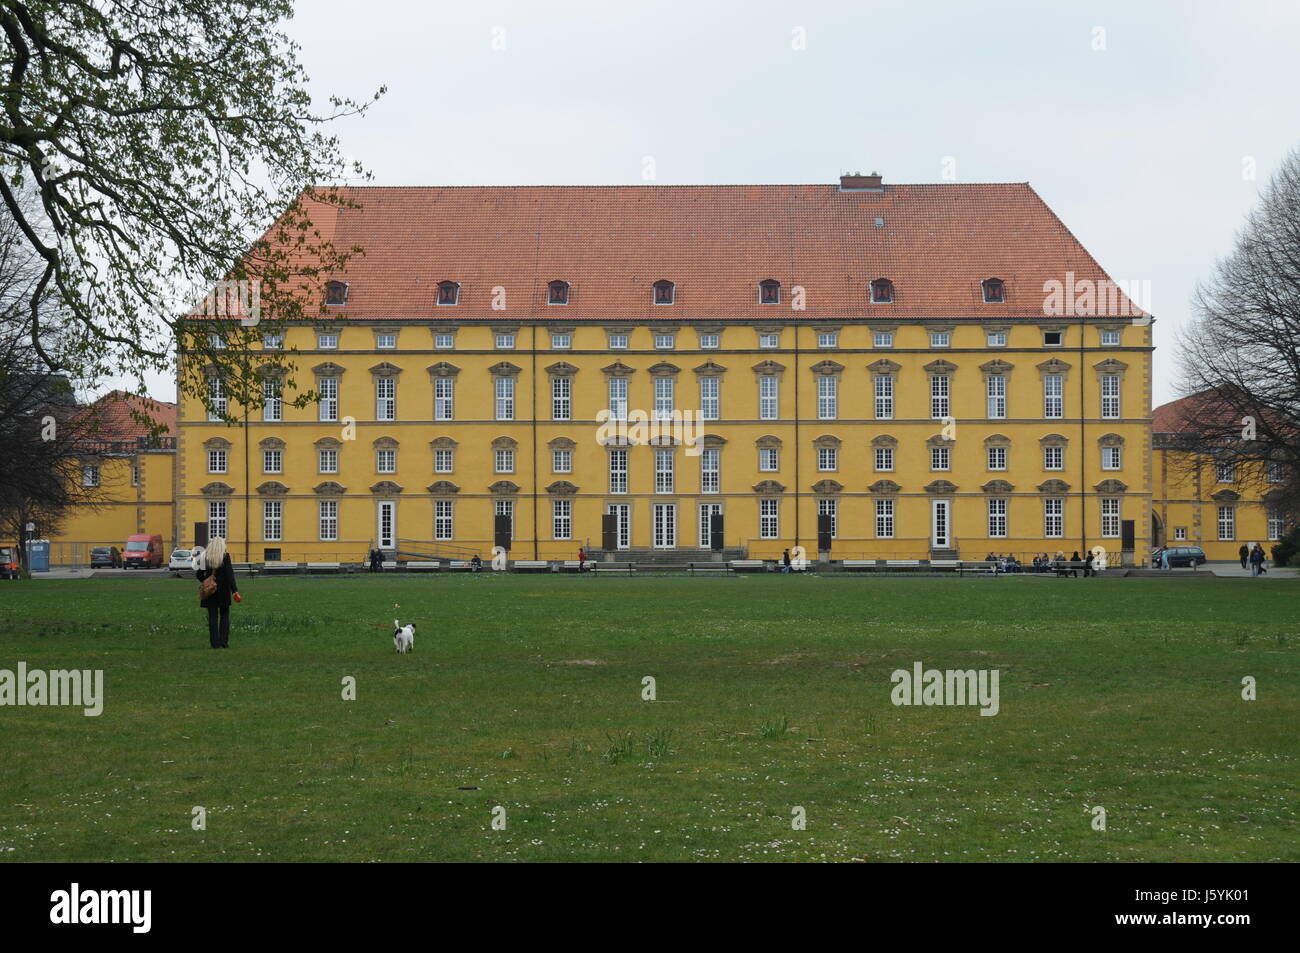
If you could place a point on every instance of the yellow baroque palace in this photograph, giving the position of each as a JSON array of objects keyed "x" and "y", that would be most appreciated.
[{"x": 886, "y": 356}]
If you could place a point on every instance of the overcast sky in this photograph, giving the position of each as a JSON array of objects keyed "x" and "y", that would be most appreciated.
[{"x": 1148, "y": 127}]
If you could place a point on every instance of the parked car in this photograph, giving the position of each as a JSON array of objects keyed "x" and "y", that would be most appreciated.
[
  {"x": 1179, "y": 557},
  {"x": 182, "y": 560},
  {"x": 8, "y": 562},
  {"x": 143, "y": 552},
  {"x": 109, "y": 556}
]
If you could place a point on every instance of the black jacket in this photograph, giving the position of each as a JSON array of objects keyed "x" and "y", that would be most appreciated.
[{"x": 225, "y": 583}]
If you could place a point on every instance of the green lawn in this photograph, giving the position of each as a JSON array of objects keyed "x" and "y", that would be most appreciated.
[{"x": 773, "y": 693}]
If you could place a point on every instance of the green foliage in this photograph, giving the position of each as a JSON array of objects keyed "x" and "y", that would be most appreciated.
[{"x": 165, "y": 148}]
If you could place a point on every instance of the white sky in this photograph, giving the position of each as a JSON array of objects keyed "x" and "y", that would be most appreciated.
[{"x": 1139, "y": 147}]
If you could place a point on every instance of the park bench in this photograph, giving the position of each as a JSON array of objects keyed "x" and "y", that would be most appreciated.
[
  {"x": 747, "y": 565},
  {"x": 858, "y": 565},
  {"x": 423, "y": 566},
  {"x": 388, "y": 564},
  {"x": 323, "y": 567},
  {"x": 1065, "y": 567},
  {"x": 710, "y": 568},
  {"x": 245, "y": 569},
  {"x": 977, "y": 566},
  {"x": 572, "y": 565},
  {"x": 460, "y": 565},
  {"x": 530, "y": 565},
  {"x": 902, "y": 564},
  {"x": 626, "y": 569},
  {"x": 279, "y": 567},
  {"x": 945, "y": 564}
]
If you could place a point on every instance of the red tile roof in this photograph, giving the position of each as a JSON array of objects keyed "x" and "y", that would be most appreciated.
[
  {"x": 113, "y": 416},
  {"x": 936, "y": 243}
]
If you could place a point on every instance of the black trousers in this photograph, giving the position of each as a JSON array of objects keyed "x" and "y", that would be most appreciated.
[{"x": 219, "y": 626}]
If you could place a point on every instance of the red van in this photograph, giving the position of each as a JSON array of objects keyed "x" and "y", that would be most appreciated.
[{"x": 142, "y": 552}]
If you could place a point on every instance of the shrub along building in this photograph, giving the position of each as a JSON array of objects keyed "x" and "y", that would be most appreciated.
[
  {"x": 939, "y": 369},
  {"x": 1218, "y": 503}
]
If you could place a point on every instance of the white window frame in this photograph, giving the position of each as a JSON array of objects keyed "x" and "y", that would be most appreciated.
[
  {"x": 997, "y": 517},
  {"x": 882, "y": 339},
  {"x": 885, "y": 511},
  {"x": 711, "y": 470},
  {"x": 769, "y": 398},
  {"x": 444, "y": 519},
  {"x": 561, "y": 398},
  {"x": 665, "y": 392},
  {"x": 1112, "y": 458},
  {"x": 884, "y": 459},
  {"x": 385, "y": 398},
  {"x": 272, "y": 461},
  {"x": 327, "y": 461},
  {"x": 504, "y": 393},
  {"x": 665, "y": 470},
  {"x": 1110, "y": 517},
  {"x": 995, "y": 389},
  {"x": 444, "y": 398},
  {"x": 769, "y": 518},
  {"x": 884, "y": 393},
  {"x": 328, "y": 408},
  {"x": 1227, "y": 522},
  {"x": 941, "y": 459},
  {"x": 561, "y": 461},
  {"x": 616, "y": 390},
  {"x": 1110, "y": 396},
  {"x": 710, "y": 398},
  {"x": 828, "y": 459},
  {"x": 828, "y": 389},
  {"x": 1054, "y": 517},
  {"x": 386, "y": 461},
  {"x": 218, "y": 518},
  {"x": 769, "y": 459},
  {"x": 503, "y": 461},
  {"x": 618, "y": 460},
  {"x": 327, "y": 520},
  {"x": 562, "y": 519},
  {"x": 444, "y": 461},
  {"x": 1053, "y": 396},
  {"x": 1054, "y": 457},
  {"x": 272, "y": 521},
  {"x": 940, "y": 396}
]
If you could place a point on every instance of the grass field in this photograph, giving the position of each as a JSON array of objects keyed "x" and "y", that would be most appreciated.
[{"x": 771, "y": 693}]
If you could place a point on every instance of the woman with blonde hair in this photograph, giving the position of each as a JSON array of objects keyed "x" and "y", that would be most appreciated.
[{"x": 217, "y": 567}]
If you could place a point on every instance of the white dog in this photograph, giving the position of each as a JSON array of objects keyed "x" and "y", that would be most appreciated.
[{"x": 403, "y": 636}]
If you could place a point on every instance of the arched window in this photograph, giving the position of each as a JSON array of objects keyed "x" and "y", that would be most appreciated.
[
  {"x": 769, "y": 291},
  {"x": 448, "y": 292},
  {"x": 557, "y": 292},
  {"x": 664, "y": 292},
  {"x": 336, "y": 292},
  {"x": 995, "y": 292},
  {"x": 882, "y": 291}
]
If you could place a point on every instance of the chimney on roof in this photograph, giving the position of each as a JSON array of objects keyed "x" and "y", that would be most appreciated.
[{"x": 857, "y": 182}]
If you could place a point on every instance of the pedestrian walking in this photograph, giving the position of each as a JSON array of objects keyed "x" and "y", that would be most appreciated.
[
  {"x": 217, "y": 587},
  {"x": 1257, "y": 560},
  {"x": 582, "y": 559},
  {"x": 785, "y": 560},
  {"x": 1243, "y": 554}
]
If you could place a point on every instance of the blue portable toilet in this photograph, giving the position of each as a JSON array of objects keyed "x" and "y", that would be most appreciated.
[{"x": 38, "y": 555}]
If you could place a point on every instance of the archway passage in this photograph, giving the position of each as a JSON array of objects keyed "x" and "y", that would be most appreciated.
[{"x": 1157, "y": 531}]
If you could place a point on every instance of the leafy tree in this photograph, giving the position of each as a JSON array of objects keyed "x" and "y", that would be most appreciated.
[{"x": 158, "y": 139}]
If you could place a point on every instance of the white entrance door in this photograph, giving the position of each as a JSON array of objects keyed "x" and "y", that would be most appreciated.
[
  {"x": 665, "y": 525},
  {"x": 622, "y": 513},
  {"x": 942, "y": 525},
  {"x": 387, "y": 529},
  {"x": 706, "y": 511}
]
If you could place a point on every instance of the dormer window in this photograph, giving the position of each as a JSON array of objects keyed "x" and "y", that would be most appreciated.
[
  {"x": 769, "y": 291},
  {"x": 557, "y": 292},
  {"x": 995, "y": 292},
  {"x": 664, "y": 292},
  {"x": 336, "y": 292},
  {"x": 448, "y": 292},
  {"x": 882, "y": 291}
]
